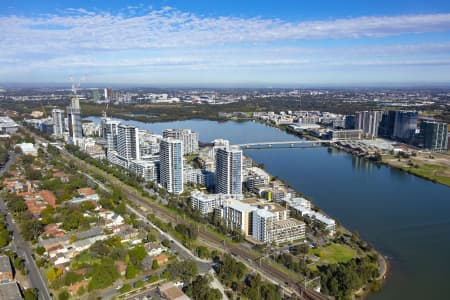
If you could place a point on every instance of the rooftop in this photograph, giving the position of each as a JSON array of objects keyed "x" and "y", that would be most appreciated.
[
  {"x": 10, "y": 291},
  {"x": 5, "y": 265},
  {"x": 239, "y": 205},
  {"x": 171, "y": 292},
  {"x": 288, "y": 223}
]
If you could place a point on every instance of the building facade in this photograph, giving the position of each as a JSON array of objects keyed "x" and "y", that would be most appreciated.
[
  {"x": 58, "y": 122},
  {"x": 405, "y": 125},
  {"x": 147, "y": 169},
  {"x": 386, "y": 128},
  {"x": 229, "y": 171},
  {"x": 368, "y": 122},
  {"x": 434, "y": 135},
  {"x": 74, "y": 121},
  {"x": 188, "y": 137},
  {"x": 238, "y": 216},
  {"x": 171, "y": 165},
  {"x": 110, "y": 132},
  {"x": 128, "y": 142}
]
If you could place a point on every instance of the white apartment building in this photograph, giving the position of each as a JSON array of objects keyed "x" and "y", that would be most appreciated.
[
  {"x": 147, "y": 169},
  {"x": 256, "y": 177},
  {"x": 110, "y": 132},
  {"x": 206, "y": 203},
  {"x": 229, "y": 171},
  {"x": 187, "y": 136},
  {"x": 171, "y": 165},
  {"x": 128, "y": 142},
  {"x": 238, "y": 215},
  {"x": 58, "y": 122}
]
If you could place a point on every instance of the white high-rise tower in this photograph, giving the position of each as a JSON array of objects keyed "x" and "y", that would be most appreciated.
[
  {"x": 128, "y": 142},
  {"x": 58, "y": 122},
  {"x": 229, "y": 170},
  {"x": 171, "y": 165}
]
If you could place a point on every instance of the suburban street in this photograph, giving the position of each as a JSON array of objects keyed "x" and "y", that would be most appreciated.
[
  {"x": 22, "y": 247},
  {"x": 241, "y": 252},
  {"x": 175, "y": 246}
]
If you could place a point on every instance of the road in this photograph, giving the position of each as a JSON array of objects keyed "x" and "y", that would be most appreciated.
[
  {"x": 175, "y": 246},
  {"x": 112, "y": 292},
  {"x": 22, "y": 248},
  {"x": 282, "y": 278},
  {"x": 7, "y": 165},
  {"x": 204, "y": 266}
]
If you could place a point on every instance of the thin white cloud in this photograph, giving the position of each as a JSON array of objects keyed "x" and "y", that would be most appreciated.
[
  {"x": 172, "y": 40},
  {"x": 82, "y": 29}
]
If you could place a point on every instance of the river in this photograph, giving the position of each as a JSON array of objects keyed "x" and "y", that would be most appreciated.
[{"x": 405, "y": 217}]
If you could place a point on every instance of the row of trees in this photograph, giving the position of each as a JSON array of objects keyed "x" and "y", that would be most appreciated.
[
  {"x": 120, "y": 173},
  {"x": 235, "y": 275},
  {"x": 5, "y": 235}
]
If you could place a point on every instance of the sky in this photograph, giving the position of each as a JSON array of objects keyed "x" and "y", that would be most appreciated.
[{"x": 226, "y": 43}]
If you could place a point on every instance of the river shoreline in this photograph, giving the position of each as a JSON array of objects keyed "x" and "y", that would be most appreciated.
[{"x": 383, "y": 262}]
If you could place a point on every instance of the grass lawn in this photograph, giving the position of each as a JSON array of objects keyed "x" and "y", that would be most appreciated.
[
  {"x": 84, "y": 258},
  {"x": 432, "y": 172},
  {"x": 334, "y": 253}
]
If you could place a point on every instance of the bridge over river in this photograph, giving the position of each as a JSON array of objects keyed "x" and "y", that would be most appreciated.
[{"x": 286, "y": 144}]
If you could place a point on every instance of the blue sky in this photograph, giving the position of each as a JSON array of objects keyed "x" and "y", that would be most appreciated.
[{"x": 226, "y": 43}]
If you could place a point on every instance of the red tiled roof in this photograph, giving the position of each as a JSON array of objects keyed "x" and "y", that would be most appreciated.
[
  {"x": 86, "y": 191},
  {"x": 48, "y": 197}
]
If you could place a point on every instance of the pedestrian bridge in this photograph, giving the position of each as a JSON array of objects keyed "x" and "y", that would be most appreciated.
[{"x": 286, "y": 144}]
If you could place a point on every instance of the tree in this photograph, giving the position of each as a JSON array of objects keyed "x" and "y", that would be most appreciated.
[
  {"x": 203, "y": 252},
  {"x": 131, "y": 271},
  {"x": 299, "y": 249},
  {"x": 48, "y": 215},
  {"x": 155, "y": 264},
  {"x": 137, "y": 254},
  {"x": 31, "y": 229},
  {"x": 30, "y": 294},
  {"x": 165, "y": 243},
  {"x": 5, "y": 238},
  {"x": 71, "y": 277},
  {"x": 151, "y": 237},
  {"x": 184, "y": 270},
  {"x": 199, "y": 289},
  {"x": 40, "y": 250},
  {"x": 103, "y": 274},
  {"x": 51, "y": 275},
  {"x": 230, "y": 270},
  {"x": 64, "y": 295}
]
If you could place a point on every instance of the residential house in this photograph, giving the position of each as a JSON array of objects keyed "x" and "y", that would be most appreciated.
[
  {"x": 170, "y": 292},
  {"x": 154, "y": 249},
  {"x": 161, "y": 259},
  {"x": 85, "y": 194}
]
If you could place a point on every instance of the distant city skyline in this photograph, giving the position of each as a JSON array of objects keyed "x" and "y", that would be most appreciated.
[{"x": 226, "y": 44}]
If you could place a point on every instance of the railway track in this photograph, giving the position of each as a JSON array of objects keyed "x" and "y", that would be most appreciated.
[{"x": 238, "y": 250}]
